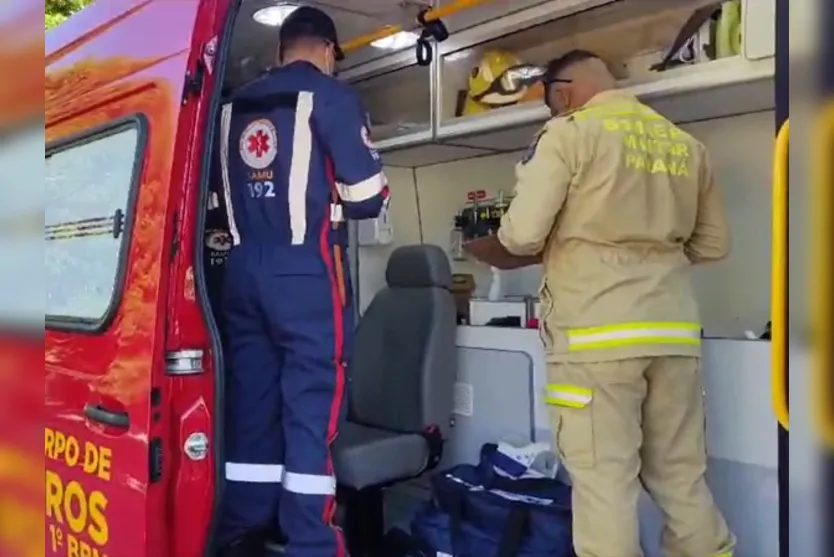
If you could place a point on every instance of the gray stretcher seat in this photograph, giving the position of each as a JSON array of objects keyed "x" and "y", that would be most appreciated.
[
  {"x": 400, "y": 393},
  {"x": 368, "y": 456}
]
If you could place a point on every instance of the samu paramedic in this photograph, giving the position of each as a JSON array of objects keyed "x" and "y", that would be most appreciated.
[{"x": 296, "y": 162}]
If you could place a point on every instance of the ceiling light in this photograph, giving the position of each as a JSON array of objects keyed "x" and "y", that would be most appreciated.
[
  {"x": 403, "y": 39},
  {"x": 274, "y": 16}
]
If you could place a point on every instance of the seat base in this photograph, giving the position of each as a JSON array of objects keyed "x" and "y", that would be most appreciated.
[
  {"x": 366, "y": 456},
  {"x": 364, "y": 521}
]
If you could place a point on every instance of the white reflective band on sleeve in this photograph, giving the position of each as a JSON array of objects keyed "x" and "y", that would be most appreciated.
[
  {"x": 302, "y": 149},
  {"x": 336, "y": 213},
  {"x": 568, "y": 395},
  {"x": 364, "y": 190},
  {"x": 629, "y": 334},
  {"x": 254, "y": 473},
  {"x": 309, "y": 484},
  {"x": 225, "y": 130}
]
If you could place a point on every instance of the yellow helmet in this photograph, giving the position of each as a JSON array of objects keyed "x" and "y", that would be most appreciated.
[{"x": 490, "y": 68}]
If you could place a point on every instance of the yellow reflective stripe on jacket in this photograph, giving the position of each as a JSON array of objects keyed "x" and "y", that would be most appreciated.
[
  {"x": 723, "y": 554},
  {"x": 568, "y": 395},
  {"x": 630, "y": 334}
]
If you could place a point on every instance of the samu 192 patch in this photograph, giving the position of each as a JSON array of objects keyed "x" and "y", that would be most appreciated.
[{"x": 259, "y": 144}]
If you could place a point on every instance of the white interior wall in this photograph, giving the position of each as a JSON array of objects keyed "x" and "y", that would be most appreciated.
[
  {"x": 734, "y": 294},
  {"x": 370, "y": 268}
]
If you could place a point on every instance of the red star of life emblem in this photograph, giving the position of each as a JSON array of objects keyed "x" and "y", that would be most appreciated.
[{"x": 258, "y": 143}]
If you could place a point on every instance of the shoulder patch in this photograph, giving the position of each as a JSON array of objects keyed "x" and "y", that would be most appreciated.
[
  {"x": 531, "y": 150},
  {"x": 259, "y": 144},
  {"x": 366, "y": 138}
]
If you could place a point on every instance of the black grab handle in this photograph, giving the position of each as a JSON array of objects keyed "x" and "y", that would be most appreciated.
[{"x": 110, "y": 418}]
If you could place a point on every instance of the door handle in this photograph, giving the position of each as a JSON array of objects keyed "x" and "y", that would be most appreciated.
[
  {"x": 112, "y": 418},
  {"x": 779, "y": 284}
]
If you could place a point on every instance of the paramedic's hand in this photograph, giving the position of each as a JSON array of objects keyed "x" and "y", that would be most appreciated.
[
  {"x": 542, "y": 180},
  {"x": 710, "y": 241},
  {"x": 360, "y": 182}
]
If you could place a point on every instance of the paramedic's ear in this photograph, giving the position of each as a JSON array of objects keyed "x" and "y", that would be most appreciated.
[{"x": 279, "y": 55}]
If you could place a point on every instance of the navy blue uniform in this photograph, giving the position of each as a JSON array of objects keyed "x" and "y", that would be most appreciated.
[{"x": 296, "y": 161}]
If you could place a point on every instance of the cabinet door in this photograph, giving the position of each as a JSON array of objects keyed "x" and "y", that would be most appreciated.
[{"x": 758, "y": 29}]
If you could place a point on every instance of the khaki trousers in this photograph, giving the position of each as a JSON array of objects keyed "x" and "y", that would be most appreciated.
[{"x": 624, "y": 424}]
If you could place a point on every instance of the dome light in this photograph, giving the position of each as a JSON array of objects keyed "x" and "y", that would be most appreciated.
[
  {"x": 274, "y": 16},
  {"x": 397, "y": 41}
]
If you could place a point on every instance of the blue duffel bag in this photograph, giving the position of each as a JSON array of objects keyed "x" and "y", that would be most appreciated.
[{"x": 475, "y": 512}]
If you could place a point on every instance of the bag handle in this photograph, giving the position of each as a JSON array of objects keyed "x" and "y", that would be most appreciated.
[
  {"x": 514, "y": 531},
  {"x": 453, "y": 505},
  {"x": 512, "y": 536}
]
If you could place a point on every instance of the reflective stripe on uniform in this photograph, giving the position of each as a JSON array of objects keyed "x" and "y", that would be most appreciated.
[
  {"x": 630, "y": 334},
  {"x": 309, "y": 484},
  {"x": 225, "y": 131},
  {"x": 362, "y": 191},
  {"x": 242, "y": 472},
  {"x": 723, "y": 554},
  {"x": 302, "y": 152},
  {"x": 570, "y": 396}
]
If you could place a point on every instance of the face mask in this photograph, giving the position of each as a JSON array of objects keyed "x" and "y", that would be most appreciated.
[{"x": 330, "y": 62}]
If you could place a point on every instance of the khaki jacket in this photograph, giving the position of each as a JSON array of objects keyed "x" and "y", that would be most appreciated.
[{"x": 620, "y": 203}]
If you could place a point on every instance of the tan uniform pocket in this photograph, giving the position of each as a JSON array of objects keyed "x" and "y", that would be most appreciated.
[{"x": 572, "y": 419}]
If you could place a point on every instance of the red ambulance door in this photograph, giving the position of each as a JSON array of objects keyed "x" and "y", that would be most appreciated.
[{"x": 117, "y": 133}]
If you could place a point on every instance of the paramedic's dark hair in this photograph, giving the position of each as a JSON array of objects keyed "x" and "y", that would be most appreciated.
[{"x": 560, "y": 64}]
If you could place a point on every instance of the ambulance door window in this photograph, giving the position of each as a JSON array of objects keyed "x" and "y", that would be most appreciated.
[{"x": 90, "y": 190}]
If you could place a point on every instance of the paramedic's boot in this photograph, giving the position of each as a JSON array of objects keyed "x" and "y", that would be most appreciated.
[{"x": 251, "y": 545}]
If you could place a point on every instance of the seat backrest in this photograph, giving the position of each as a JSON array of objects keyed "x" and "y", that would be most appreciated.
[{"x": 404, "y": 364}]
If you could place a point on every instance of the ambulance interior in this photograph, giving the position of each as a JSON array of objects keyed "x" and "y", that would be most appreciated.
[{"x": 440, "y": 152}]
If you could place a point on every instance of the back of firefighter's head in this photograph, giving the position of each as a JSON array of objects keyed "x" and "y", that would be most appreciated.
[
  {"x": 574, "y": 79},
  {"x": 491, "y": 67},
  {"x": 308, "y": 34}
]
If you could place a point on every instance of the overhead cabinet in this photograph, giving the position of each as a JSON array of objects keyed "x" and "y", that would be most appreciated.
[
  {"x": 399, "y": 102},
  {"x": 413, "y": 105}
]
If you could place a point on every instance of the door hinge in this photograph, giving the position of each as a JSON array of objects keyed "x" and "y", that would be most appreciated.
[
  {"x": 194, "y": 82},
  {"x": 155, "y": 460}
]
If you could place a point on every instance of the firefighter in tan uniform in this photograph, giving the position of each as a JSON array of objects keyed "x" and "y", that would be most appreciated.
[{"x": 620, "y": 204}]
